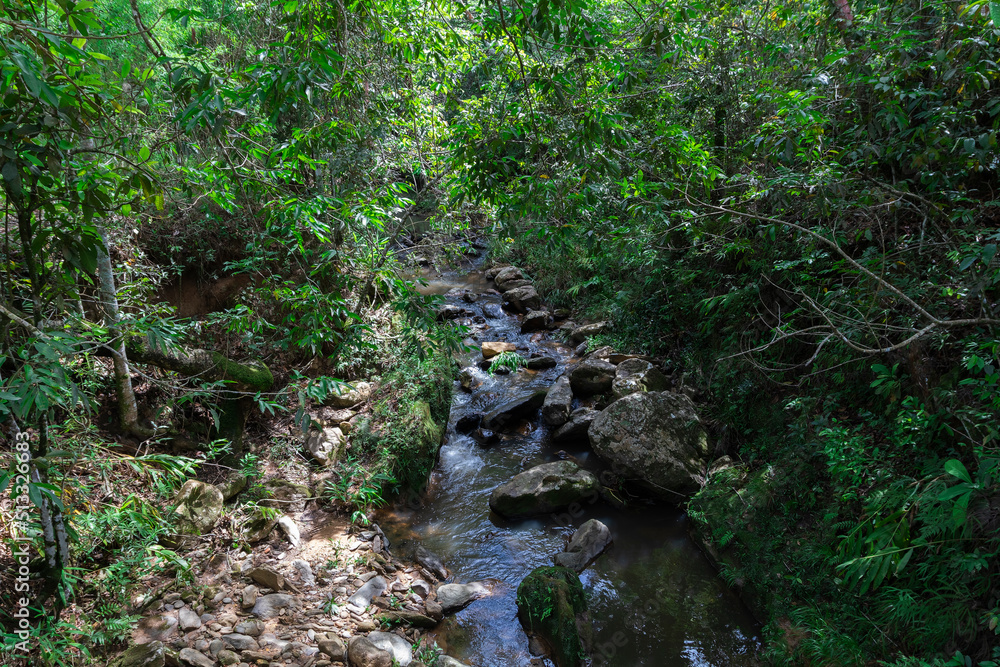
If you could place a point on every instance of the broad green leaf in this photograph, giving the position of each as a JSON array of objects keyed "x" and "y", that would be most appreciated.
[
  {"x": 956, "y": 468},
  {"x": 995, "y": 13}
]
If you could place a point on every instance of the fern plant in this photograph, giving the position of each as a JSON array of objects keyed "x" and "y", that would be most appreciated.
[{"x": 512, "y": 361}]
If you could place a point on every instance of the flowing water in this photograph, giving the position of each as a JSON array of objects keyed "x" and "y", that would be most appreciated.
[{"x": 653, "y": 598}]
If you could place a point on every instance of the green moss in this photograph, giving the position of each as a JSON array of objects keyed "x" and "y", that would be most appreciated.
[
  {"x": 403, "y": 434},
  {"x": 549, "y": 601},
  {"x": 253, "y": 374}
]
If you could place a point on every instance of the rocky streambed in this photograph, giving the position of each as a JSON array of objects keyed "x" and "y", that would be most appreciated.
[
  {"x": 531, "y": 480},
  {"x": 521, "y": 552}
]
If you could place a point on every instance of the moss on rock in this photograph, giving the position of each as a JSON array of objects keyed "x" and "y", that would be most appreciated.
[{"x": 551, "y": 604}]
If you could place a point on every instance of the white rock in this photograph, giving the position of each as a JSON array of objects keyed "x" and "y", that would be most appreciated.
[{"x": 291, "y": 530}]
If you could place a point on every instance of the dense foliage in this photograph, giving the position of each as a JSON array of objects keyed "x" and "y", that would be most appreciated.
[{"x": 794, "y": 203}]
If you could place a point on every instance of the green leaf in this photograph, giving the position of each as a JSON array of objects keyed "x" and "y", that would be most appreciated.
[
  {"x": 989, "y": 252},
  {"x": 956, "y": 468},
  {"x": 144, "y": 153},
  {"x": 954, "y": 491},
  {"x": 995, "y": 13}
]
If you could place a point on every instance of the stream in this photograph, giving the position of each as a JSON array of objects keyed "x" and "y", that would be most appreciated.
[{"x": 653, "y": 597}]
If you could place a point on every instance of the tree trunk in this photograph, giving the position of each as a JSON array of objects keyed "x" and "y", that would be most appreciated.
[
  {"x": 208, "y": 365},
  {"x": 128, "y": 411}
]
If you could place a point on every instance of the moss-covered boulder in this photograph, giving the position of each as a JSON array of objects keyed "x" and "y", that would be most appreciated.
[
  {"x": 593, "y": 376},
  {"x": 326, "y": 445},
  {"x": 635, "y": 375},
  {"x": 551, "y": 605},
  {"x": 350, "y": 395},
  {"x": 285, "y": 495},
  {"x": 152, "y": 654},
  {"x": 258, "y": 527},
  {"x": 546, "y": 488},
  {"x": 429, "y": 431},
  {"x": 655, "y": 439},
  {"x": 199, "y": 506}
]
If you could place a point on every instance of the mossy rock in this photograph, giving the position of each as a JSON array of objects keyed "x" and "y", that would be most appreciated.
[
  {"x": 152, "y": 654},
  {"x": 258, "y": 527},
  {"x": 545, "y": 488},
  {"x": 285, "y": 495},
  {"x": 199, "y": 507},
  {"x": 429, "y": 431},
  {"x": 551, "y": 604}
]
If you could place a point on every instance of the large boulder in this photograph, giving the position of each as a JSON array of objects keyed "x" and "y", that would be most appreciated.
[
  {"x": 522, "y": 299},
  {"x": 512, "y": 284},
  {"x": 506, "y": 275},
  {"x": 588, "y": 542},
  {"x": 558, "y": 402},
  {"x": 491, "y": 349},
  {"x": 522, "y": 406},
  {"x": 363, "y": 653},
  {"x": 233, "y": 485},
  {"x": 363, "y": 597},
  {"x": 493, "y": 311},
  {"x": 402, "y": 652},
  {"x": 535, "y": 320},
  {"x": 325, "y": 445},
  {"x": 189, "y": 657},
  {"x": 258, "y": 527},
  {"x": 188, "y": 619},
  {"x": 350, "y": 394},
  {"x": 428, "y": 431},
  {"x": 582, "y": 333},
  {"x": 285, "y": 495},
  {"x": 592, "y": 376},
  {"x": 453, "y": 597},
  {"x": 541, "y": 363},
  {"x": 449, "y": 312},
  {"x": 577, "y": 427},
  {"x": 551, "y": 605},
  {"x": 331, "y": 646},
  {"x": 468, "y": 423},
  {"x": 142, "y": 655},
  {"x": 635, "y": 375},
  {"x": 492, "y": 272},
  {"x": 655, "y": 438},
  {"x": 545, "y": 488},
  {"x": 199, "y": 506}
]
